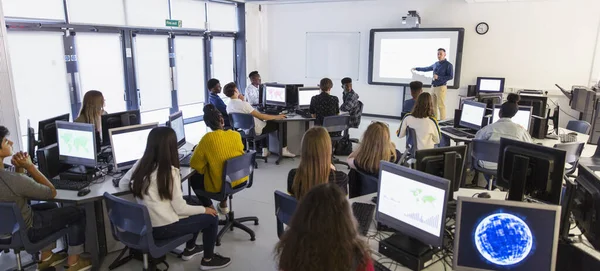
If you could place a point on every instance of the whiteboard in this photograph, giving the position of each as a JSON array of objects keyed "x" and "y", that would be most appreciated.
[{"x": 332, "y": 54}]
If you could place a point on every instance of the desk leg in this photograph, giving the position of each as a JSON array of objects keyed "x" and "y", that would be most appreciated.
[
  {"x": 306, "y": 126},
  {"x": 280, "y": 143},
  {"x": 92, "y": 245},
  {"x": 445, "y": 142}
]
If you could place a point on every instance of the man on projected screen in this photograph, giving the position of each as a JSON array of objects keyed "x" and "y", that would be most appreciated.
[{"x": 443, "y": 71}]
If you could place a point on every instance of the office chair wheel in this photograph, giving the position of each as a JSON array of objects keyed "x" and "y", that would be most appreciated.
[
  {"x": 218, "y": 243},
  {"x": 256, "y": 223},
  {"x": 252, "y": 238},
  {"x": 277, "y": 163}
]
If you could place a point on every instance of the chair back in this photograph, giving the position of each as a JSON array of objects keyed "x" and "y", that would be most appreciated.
[
  {"x": 484, "y": 150},
  {"x": 368, "y": 183},
  {"x": 411, "y": 141},
  {"x": 338, "y": 123},
  {"x": 574, "y": 150},
  {"x": 244, "y": 122},
  {"x": 580, "y": 126},
  {"x": 285, "y": 206},
  {"x": 237, "y": 168},
  {"x": 13, "y": 231},
  {"x": 130, "y": 223}
]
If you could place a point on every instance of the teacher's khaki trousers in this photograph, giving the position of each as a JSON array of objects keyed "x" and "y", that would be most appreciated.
[{"x": 439, "y": 102}]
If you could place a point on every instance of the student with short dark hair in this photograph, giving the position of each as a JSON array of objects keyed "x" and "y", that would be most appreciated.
[
  {"x": 252, "y": 90},
  {"x": 350, "y": 104},
  {"x": 16, "y": 187},
  {"x": 423, "y": 121},
  {"x": 323, "y": 235},
  {"x": 262, "y": 123},
  {"x": 214, "y": 88},
  {"x": 416, "y": 88},
  {"x": 210, "y": 155},
  {"x": 156, "y": 183},
  {"x": 324, "y": 104}
]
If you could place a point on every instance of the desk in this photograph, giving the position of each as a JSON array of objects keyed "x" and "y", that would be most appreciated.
[
  {"x": 463, "y": 192},
  {"x": 95, "y": 233},
  {"x": 291, "y": 118}
]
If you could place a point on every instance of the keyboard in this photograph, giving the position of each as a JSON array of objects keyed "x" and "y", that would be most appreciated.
[
  {"x": 458, "y": 132},
  {"x": 363, "y": 212},
  {"x": 185, "y": 161},
  {"x": 446, "y": 123},
  {"x": 380, "y": 267},
  {"x": 304, "y": 113},
  {"x": 69, "y": 185}
]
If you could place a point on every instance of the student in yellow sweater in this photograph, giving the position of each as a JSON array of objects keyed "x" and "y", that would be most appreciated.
[{"x": 210, "y": 155}]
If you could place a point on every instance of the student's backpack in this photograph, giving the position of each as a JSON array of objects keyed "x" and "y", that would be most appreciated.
[{"x": 343, "y": 147}]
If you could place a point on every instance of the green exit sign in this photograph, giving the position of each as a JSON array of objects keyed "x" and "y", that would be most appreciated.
[{"x": 173, "y": 23}]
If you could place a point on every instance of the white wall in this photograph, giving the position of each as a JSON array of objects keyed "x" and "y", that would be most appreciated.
[{"x": 532, "y": 44}]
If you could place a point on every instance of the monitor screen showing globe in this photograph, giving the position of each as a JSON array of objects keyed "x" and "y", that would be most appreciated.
[{"x": 505, "y": 235}]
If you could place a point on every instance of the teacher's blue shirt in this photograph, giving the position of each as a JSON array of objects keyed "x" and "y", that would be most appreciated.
[{"x": 443, "y": 69}]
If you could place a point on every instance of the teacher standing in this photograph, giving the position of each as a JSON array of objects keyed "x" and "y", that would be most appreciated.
[{"x": 443, "y": 71}]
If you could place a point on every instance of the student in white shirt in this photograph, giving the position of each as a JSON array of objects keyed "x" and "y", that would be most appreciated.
[
  {"x": 156, "y": 183},
  {"x": 252, "y": 89},
  {"x": 262, "y": 125},
  {"x": 423, "y": 121},
  {"x": 504, "y": 127}
]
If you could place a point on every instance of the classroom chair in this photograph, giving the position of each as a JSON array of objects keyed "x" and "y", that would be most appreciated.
[
  {"x": 336, "y": 124},
  {"x": 485, "y": 151},
  {"x": 285, "y": 206},
  {"x": 245, "y": 122},
  {"x": 13, "y": 235},
  {"x": 574, "y": 151},
  {"x": 131, "y": 225},
  {"x": 592, "y": 162},
  {"x": 361, "y": 183},
  {"x": 580, "y": 126},
  {"x": 360, "y": 110},
  {"x": 235, "y": 168},
  {"x": 411, "y": 147}
]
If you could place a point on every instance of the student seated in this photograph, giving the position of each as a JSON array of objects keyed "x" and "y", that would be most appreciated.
[
  {"x": 325, "y": 104},
  {"x": 41, "y": 220},
  {"x": 210, "y": 155},
  {"x": 350, "y": 104},
  {"x": 252, "y": 90},
  {"x": 315, "y": 165},
  {"x": 262, "y": 125},
  {"x": 156, "y": 183},
  {"x": 423, "y": 121},
  {"x": 504, "y": 127},
  {"x": 214, "y": 87},
  {"x": 322, "y": 235},
  {"x": 416, "y": 88},
  {"x": 92, "y": 109},
  {"x": 375, "y": 146}
]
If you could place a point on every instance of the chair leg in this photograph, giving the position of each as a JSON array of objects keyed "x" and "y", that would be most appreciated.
[
  {"x": 145, "y": 261},
  {"x": 19, "y": 263},
  {"x": 247, "y": 219},
  {"x": 119, "y": 261},
  {"x": 226, "y": 227},
  {"x": 244, "y": 228}
]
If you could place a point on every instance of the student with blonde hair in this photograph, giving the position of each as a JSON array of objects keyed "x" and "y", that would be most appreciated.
[
  {"x": 92, "y": 109},
  {"x": 422, "y": 119},
  {"x": 315, "y": 165},
  {"x": 375, "y": 146}
]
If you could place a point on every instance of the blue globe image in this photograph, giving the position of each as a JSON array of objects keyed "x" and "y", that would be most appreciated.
[{"x": 503, "y": 239}]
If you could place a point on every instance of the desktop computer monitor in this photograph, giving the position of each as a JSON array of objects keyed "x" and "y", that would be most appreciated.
[
  {"x": 413, "y": 203},
  {"x": 505, "y": 235},
  {"x": 586, "y": 205},
  {"x": 523, "y": 116},
  {"x": 447, "y": 162},
  {"x": 31, "y": 142},
  {"x": 275, "y": 95},
  {"x": 462, "y": 100},
  {"x": 554, "y": 118},
  {"x": 47, "y": 130},
  {"x": 116, "y": 120},
  {"x": 129, "y": 144},
  {"x": 531, "y": 170},
  {"x": 305, "y": 95},
  {"x": 537, "y": 102},
  {"x": 76, "y": 143},
  {"x": 176, "y": 123},
  {"x": 472, "y": 115},
  {"x": 490, "y": 85}
]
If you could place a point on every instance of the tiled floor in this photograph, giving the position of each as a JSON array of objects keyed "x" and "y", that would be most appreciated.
[{"x": 255, "y": 201}]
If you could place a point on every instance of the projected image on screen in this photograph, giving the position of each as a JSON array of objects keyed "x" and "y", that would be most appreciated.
[
  {"x": 394, "y": 52},
  {"x": 276, "y": 94}
]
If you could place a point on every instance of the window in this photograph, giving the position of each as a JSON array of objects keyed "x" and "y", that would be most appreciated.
[
  {"x": 153, "y": 75},
  {"x": 100, "y": 61},
  {"x": 222, "y": 17},
  {"x": 105, "y": 12},
  {"x": 223, "y": 59},
  {"x": 40, "y": 76},
  {"x": 34, "y": 9},
  {"x": 192, "y": 13},
  {"x": 148, "y": 13},
  {"x": 191, "y": 84}
]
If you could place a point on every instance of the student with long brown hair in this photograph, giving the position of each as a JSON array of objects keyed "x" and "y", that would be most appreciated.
[
  {"x": 375, "y": 147},
  {"x": 315, "y": 165},
  {"x": 422, "y": 119},
  {"x": 322, "y": 235},
  {"x": 92, "y": 109},
  {"x": 156, "y": 183}
]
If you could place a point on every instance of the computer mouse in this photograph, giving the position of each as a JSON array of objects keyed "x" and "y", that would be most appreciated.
[
  {"x": 83, "y": 191},
  {"x": 484, "y": 195}
]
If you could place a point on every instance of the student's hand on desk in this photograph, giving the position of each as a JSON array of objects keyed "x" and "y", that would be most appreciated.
[
  {"x": 21, "y": 160},
  {"x": 280, "y": 117},
  {"x": 210, "y": 211}
]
